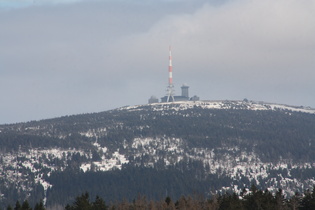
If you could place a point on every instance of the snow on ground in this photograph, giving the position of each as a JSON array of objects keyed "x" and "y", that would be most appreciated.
[
  {"x": 105, "y": 164},
  {"x": 219, "y": 104},
  {"x": 95, "y": 132},
  {"x": 171, "y": 148}
]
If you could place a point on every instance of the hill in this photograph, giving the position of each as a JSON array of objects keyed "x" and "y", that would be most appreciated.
[{"x": 159, "y": 149}]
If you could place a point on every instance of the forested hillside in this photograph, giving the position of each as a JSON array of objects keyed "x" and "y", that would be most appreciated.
[{"x": 158, "y": 149}]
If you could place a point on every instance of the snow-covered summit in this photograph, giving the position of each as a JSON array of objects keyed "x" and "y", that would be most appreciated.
[{"x": 220, "y": 104}]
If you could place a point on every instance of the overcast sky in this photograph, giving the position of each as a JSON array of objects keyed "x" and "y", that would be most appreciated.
[{"x": 64, "y": 57}]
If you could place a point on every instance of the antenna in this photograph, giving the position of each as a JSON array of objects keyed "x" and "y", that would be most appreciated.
[
  {"x": 170, "y": 68},
  {"x": 170, "y": 87}
]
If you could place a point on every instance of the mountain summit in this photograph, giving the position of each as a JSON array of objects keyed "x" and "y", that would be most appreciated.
[{"x": 159, "y": 149}]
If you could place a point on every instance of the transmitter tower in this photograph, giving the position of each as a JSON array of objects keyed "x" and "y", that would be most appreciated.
[{"x": 170, "y": 88}]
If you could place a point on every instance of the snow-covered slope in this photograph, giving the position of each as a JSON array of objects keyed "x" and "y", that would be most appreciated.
[{"x": 230, "y": 144}]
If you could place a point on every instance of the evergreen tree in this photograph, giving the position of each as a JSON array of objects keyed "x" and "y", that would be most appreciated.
[
  {"x": 99, "y": 204},
  {"x": 9, "y": 207},
  {"x": 17, "y": 206},
  {"x": 168, "y": 200},
  {"x": 39, "y": 206},
  {"x": 26, "y": 206},
  {"x": 81, "y": 203},
  {"x": 268, "y": 200},
  {"x": 68, "y": 207}
]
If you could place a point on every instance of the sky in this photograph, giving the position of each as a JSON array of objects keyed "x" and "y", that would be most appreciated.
[{"x": 65, "y": 57}]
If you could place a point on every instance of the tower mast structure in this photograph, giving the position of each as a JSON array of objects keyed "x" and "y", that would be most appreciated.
[{"x": 170, "y": 88}]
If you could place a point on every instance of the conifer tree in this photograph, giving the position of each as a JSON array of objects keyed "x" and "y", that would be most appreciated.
[
  {"x": 168, "y": 200},
  {"x": 39, "y": 206},
  {"x": 17, "y": 206},
  {"x": 99, "y": 204},
  {"x": 26, "y": 206},
  {"x": 81, "y": 203}
]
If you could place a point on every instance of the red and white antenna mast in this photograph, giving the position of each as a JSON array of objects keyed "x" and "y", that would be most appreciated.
[
  {"x": 170, "y": 87},
  {"x": 170, "y": 68}
]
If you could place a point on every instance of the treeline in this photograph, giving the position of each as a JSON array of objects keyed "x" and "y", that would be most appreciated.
[
  {"x": 253, "y": 200},
  {"x": 26, "y": 206}
]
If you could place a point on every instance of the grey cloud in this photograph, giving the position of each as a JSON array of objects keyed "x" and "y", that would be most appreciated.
[{"x": 97, "y": 55}]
